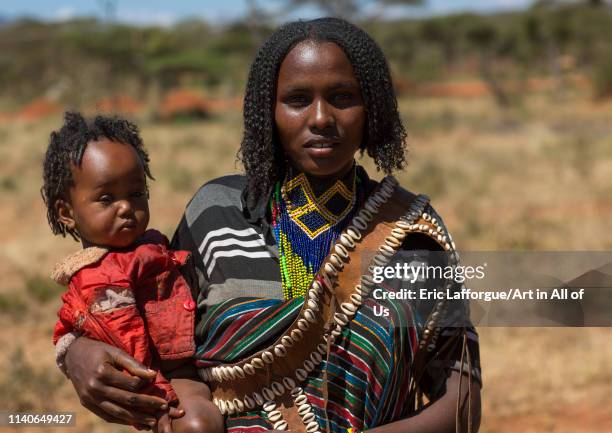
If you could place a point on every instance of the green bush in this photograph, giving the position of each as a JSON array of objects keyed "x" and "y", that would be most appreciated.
[
  {"x": 8, "y": 184},
  {"x": 42, "y": 289},
  {"x": 24, "y": 387},
  {"x": 12, "y": 304},
  {"x": 602, "y": 78}
]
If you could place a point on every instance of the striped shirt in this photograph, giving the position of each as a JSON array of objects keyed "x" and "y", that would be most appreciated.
[{"x": 241, "y": 311}]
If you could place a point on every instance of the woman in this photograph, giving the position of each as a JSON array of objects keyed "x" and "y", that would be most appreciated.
[{"x": 289, "y": 336}]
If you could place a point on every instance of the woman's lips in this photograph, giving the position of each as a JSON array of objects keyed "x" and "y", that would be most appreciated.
[
  {"x": 320, "y": 148},
  {"x": 320, "y": 142}
]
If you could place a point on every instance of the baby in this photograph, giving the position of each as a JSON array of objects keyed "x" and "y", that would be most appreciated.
[{"x": 125, "y": 287}]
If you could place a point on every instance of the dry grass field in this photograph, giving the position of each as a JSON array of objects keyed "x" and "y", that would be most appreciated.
[{"x": 536, "y": 177}]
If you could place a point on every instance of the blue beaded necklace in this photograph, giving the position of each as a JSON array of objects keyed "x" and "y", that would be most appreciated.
[{"x": 306, "y": 224}]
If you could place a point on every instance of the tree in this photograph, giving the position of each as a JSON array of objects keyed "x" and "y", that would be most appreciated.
[
  {"x": 484, "y": 36},
  {"x": 443, "y": 32},
  {"x": 110, "y": 9},
  {"x": 350, "y": 9}
]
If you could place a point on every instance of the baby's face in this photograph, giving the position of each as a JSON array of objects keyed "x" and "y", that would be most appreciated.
[{"x": 108, "y": 202}]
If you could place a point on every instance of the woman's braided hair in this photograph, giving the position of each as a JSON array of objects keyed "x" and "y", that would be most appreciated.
[
  {"x": 67, "y": 147},
  {"x": 384, "y": 135}
]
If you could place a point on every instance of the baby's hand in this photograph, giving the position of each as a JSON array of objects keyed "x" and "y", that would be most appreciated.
[
  {"x": 175, "y": 412},
  {"x": 163, "y": 423},
  {"x": 164, "y": 419}
]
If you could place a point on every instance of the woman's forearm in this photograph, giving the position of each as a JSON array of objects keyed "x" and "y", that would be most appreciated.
[{"x": 440, "y": 416}]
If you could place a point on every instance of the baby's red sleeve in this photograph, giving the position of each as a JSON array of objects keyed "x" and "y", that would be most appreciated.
[
  {"x": 162, "y": 388},
  {"x": 64, "y": 324}
]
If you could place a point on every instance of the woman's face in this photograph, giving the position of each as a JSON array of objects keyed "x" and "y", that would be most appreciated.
[{"x": 319, "y": 112}]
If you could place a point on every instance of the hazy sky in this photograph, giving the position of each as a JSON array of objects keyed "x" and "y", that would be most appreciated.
[{"x": 166, "y": 12}]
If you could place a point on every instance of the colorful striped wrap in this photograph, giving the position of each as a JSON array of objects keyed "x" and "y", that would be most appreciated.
[{"x": 367, "y": 372}]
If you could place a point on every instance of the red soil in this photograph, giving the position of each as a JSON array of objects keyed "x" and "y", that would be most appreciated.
[
  {"x": 184, "y": 102},
  {"x": 478, "y": 88},
  {"x": 119, "y": 104},
  {"x": 38, "y": 109}
]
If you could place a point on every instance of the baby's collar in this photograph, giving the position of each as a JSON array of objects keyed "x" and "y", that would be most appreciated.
[{"x": 73, "y": 263}]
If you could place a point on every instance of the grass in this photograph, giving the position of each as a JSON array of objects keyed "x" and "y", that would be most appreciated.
[
  {"x": 27, "y": 387},
  {"x": 41, "y": 289},
  {"x": 8, "y": 184},
  {"x": 12, "y": 305},
  {"x": 535, "y": 177}
]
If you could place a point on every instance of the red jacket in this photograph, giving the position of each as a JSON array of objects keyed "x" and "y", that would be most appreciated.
[{"x": 136, "y": 300}]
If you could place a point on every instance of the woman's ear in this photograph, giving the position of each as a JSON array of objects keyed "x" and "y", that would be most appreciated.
[{"x": 65, "y": 214}]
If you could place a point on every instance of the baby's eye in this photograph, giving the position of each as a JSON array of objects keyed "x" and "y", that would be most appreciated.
[
  {"x": 105, "y": 199},
  {"x": 137, "y": 194}
]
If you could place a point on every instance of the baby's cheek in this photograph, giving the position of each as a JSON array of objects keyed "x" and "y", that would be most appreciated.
[{"x": 143, "y": 221}]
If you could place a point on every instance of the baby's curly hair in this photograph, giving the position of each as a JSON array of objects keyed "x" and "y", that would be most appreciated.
[
  {"x": 67, "y": 146},
  {"x": 384, "y": 137}
]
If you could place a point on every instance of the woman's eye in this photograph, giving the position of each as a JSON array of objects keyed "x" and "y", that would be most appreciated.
[
  {"x": 297, "y": 100},
  {"x": 342, "y": 98}
]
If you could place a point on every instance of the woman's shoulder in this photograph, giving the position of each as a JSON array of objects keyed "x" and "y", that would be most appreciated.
[
  {"x": 410, "y": 197},
  {"x": 424, "y": 217},
  {"x": 371, "y": 185},
  {"x": 404, "y": 196},
  {"x": 225, "y": 191}
]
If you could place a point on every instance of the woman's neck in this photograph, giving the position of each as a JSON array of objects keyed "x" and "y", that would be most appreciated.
[{"x": 319, "y": 184}]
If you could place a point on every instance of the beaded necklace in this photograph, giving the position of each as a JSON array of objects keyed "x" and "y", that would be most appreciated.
[{"x": 306, "y": 224}]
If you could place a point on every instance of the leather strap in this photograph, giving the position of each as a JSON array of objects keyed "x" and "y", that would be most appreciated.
[{"x": 398, "y": 211}]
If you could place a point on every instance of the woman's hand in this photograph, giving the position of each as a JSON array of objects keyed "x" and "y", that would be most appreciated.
[
  {"x": 95, "y": 369},
  {"x": 440, "y": 415}
]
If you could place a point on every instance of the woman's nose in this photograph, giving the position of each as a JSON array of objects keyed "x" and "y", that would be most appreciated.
[{"x": 322, "y": 116}]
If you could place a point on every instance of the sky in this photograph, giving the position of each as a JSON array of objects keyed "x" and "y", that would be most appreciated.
[{"x": 168, "y": 12}]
